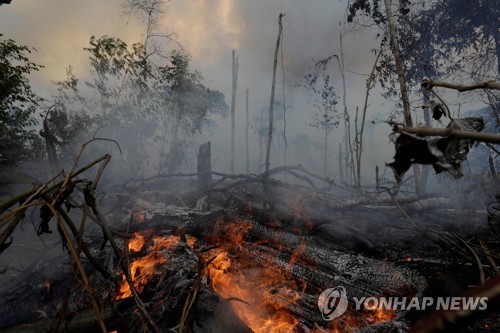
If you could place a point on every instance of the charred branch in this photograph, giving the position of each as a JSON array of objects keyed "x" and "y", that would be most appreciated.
[{"x": 493, "y": 85}]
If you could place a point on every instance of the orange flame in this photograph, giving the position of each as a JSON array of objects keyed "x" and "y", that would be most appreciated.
[
  {"x": 142, "y": 269},
  {"x": 191, "y": 241},
  {"x": 256, "y": 304},
  {"x": 380, "y": 315},
  {"x": 136, "y": 243},
  {"x": 259, "y": 293}
]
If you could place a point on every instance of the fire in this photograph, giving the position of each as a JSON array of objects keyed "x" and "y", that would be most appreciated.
[
  {"x": 191, "y": 241},
  {"x": 380, "y": 315},
  {"x": 142, "y": 269},
  {"x": 254, "y": 293},
  {"x": 136, "y": 244},
  {"x": 47, "y": 286},
  {"x": 301, "y": 207},
  {"x": 260, "y": 296}
]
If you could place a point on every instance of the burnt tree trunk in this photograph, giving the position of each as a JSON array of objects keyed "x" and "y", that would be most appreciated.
[
  {"x": 247, "y": 153},
  {"x": 271, "y": 104},
  {"x": 402, "y": 82},
  {"x": 233, "y": 107},
  {"x": 204, "y": 167}
]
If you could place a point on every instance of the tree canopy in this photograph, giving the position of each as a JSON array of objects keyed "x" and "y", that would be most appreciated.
[
  {"x": 18, "y": 104},
  {"x": 439, "y": 39}
]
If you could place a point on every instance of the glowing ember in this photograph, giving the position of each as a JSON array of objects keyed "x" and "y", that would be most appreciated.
[
  {"x": 259, "y": 293},
  {"x": 380, "y": 315},
  {"x": 260, "y": 296},
  {"x": 136, "y": 244},
  {"x": 191, "y": 241},
  {"x": 144, "y": 268},
  {"x": 257, "y": 287}
]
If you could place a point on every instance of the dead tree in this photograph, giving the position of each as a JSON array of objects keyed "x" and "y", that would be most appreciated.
[
  {"x": 347, "y": 129},
  {"x": 271, "y": 104},
  {"x": 359, "y": 137},
  {"x": 247, "y": 153},
  {"x": 402, "y": 82},
  {"x": 233, "y": 106},
  {"x": 204, "y": 167}
]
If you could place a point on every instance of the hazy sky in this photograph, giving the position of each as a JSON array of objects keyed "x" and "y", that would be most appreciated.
[{"x": 208, "y": 30}]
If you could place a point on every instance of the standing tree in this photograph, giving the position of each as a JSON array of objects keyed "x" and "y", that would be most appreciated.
[
  {"x": 148, "y": 109},
  {"x": 247, "y": 151},
  {"x": 151, "y": 13},
  {"x": 190, "y": 101},
  {"x": 18, "y": 105},
  {"x": 326, "y": 118},
  {"x": 123, "y": 80},
  {"x": 435, "y": 39},
  {"x": 271, "y": 104},
  {"x": 401, "y": 78},
  {"x": 234, "y": 71}
]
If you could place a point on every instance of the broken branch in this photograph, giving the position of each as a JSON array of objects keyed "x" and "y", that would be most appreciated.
[
  {"x": 444, "y": 132},
  {"x": 495, "y": 85}
]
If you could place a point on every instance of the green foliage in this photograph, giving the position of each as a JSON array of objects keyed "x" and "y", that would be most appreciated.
[
  {"x": 190, "y": 103},
  {"x": 323, "y": 98},
  {"x": 142, "y": 105},
  {"x": 18, "y": 104},
  {"x": 118, "y": 69},
  {"x": 438, "y": 39},
  {"x": 190, "y": 100}
]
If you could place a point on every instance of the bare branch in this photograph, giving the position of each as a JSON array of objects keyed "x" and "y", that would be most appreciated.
[
  {"x": 470, "y": 135},
  {"x": 494, "y": 85}
]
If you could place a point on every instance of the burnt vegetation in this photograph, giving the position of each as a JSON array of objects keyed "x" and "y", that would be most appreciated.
[{"x": 113, "y": 217}]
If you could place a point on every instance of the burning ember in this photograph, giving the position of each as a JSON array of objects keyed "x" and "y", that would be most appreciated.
[
  {"x": 255, "y": 293},
  {"x": 380, "y": 315},
  {"x": 137, "y": 243},
  {"x": 260, "y": 296},
  {"x": 144, "y": 268}
]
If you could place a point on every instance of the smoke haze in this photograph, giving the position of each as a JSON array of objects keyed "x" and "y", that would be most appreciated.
[{"x": 209, "y": 31}]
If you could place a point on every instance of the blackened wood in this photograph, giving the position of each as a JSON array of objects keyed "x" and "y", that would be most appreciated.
[{"x": 204, "y": 167}]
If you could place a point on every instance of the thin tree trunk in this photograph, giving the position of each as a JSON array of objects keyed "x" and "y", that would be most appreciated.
[
  {"x": 325, "y": 165},
  {"x": 427, "y": 119},
  {"x": 347, "y": 130},
  {"x": 271, "y": 104},
  {"x": 356, "y": 147},
  {"x": 174, "y": 142},
  {"x": 247, "y": 153},
  {"x": 359, "y": 139},
  {"x": 233, "y": 106},
  {"x": 204, "y": 167},
  {"x": 402, "y": 82},
  {"x": 341, "y": 164},
  {"x": 260, "y": 151},
  {"x": 497, "y": 42}
]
